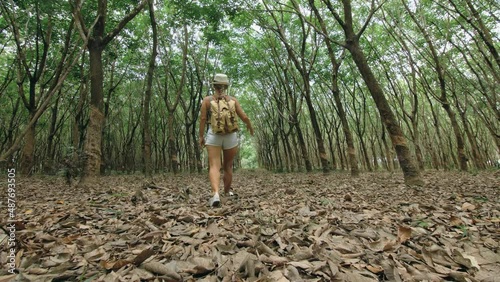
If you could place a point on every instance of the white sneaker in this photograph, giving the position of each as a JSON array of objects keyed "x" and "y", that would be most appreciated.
[
  {"x": 214, "y": 201},
  {"x": 230, "y": 193}
]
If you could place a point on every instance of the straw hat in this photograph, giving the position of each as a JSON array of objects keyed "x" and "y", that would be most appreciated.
[{"x": 220, "y": 78}]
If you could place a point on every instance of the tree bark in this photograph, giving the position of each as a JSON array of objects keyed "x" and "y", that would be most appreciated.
[
  {"x": 303, "y": 147},
  {"x": 388, "y": 152},
  {"x": 48, "y": 164},
  {"x": 92, "y": 147},
  {"x": 146, "y": 133},
  {"x": 79, "y": 126},
  {"x": 28, "y": 151}
]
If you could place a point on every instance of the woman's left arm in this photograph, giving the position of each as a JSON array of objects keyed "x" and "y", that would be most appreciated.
[{"x": 241, "y": 114}]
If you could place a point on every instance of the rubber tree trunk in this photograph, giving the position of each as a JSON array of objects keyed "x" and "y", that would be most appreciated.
[
  {"x": 28, "y": 151},
  {"x": 408, "y": 166},
  {"x": 98, "y": 39},
  {"x": 146, "y": 133},
  {"x": 93, "y": 141},
  {"x": 303, "y": 148},
  {"x": 410, "y": 170}
]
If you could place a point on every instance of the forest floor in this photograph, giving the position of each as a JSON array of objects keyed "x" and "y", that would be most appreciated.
[{"x": 279, "y": 227}]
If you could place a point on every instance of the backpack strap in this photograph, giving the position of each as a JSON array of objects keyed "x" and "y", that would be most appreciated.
[
  {"x": 231, "y": 111},
  {"x": 218, "y": 108}
]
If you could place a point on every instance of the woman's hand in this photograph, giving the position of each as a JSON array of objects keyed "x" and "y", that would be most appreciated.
[{"x": 250, "y": 129}]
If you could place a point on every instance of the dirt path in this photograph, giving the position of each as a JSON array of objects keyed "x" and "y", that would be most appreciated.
[{"x": 280, "y": 227}]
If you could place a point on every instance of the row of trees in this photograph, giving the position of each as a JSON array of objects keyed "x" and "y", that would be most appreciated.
[
  {"x": 427, "y": 66},
  {"x": 329, "y": 85}
]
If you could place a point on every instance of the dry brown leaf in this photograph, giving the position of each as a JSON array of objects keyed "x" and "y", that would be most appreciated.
[
  {"x": 353, "y": 276},
  {"x": 274, "y": 260},
  {"x": 375, "y": 268},
  {"x": 43, "y": 237},
  {"x": 143, "y": 256},
  {"x": 302, "y": 254},
  {"x": 200, "y": 265},
  {"x": 367, "y": 234},
  {"x": 468, "y": 207},
  {"x": 277, "y": 276},
  {"x": 37, "y": 270},
  {"x": 139, "y": 273},
  {"x": 97, "y": 255},
  {"x": 404, "y": 233},
  {"x": 292, "y": 273},
  {"x": 301, "y": 264},
  {"x": 69, "y": 239},
  {"x": 7, "y": 278},
  {"x": 466, "y": 260},
  {"x": 455, "y": 221},
  {"x": 115, "y": 265},
  {"x": 160, "y": 268}
]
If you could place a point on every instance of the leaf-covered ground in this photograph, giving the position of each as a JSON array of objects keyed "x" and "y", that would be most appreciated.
[{"x": 279, "y": 227}]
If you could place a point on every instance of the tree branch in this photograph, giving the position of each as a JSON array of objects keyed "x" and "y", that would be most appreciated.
[
  {"x": 124, "y": 22},
  {"x": 334, "y": 13},
  {"x": 80, "y": 24},
  {"x": 370, "y": 16}
]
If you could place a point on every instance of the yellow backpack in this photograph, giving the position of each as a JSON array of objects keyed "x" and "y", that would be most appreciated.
[{"x": 223, "y": 115}]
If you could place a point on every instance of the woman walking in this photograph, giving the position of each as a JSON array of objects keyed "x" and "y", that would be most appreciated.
[{"x": 218, "y": 111}]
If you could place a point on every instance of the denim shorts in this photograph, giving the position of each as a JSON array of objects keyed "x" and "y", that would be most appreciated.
[{"x": 226, "y": 141}]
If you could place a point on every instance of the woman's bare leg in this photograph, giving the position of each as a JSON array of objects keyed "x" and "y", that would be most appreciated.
[
  {"x": 214, "y": 170},
  {"x": 229, "y": 155}
]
